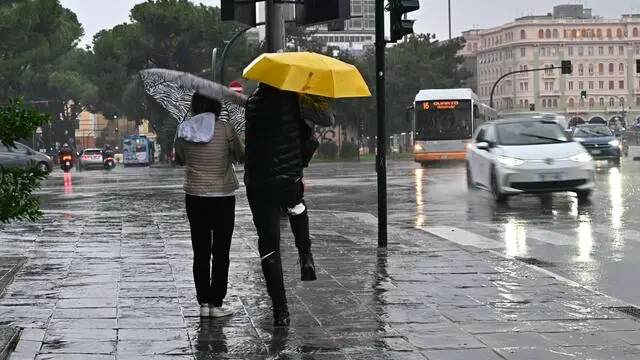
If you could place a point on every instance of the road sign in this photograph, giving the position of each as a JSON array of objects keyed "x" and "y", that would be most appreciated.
[{"x": 236, "y": 86}]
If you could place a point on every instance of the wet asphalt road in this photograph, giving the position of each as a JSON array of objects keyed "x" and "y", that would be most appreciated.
[{"x": 595, "y": 244}]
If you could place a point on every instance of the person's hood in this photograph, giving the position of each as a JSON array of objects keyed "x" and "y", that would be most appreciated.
[{"x": 198, "y": 129}]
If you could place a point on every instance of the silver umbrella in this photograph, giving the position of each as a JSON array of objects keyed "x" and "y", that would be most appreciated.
[{"x": 173, "y": 91}]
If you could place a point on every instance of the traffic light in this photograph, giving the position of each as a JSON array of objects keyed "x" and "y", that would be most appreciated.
[
  {"x": 312, "y": 12},
  {"x": 583, "y": 94},
  {"x": 566, "y": 68},
  {"x": 399, "y": 27},
  {"x": 240, "y": 11},
  {"x": 532, "y": 107},
  {"x": 637, "y": 66}
]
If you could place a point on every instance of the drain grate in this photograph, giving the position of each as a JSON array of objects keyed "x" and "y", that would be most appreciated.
[
  {"x": 628, "y": 310},
  {"x": 535, "y": 261}
]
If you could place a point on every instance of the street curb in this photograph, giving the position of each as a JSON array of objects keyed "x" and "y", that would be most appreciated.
[
  {"x": 615, "y": 302},
  {"x": 6, "y": 279},
  {"x": 12, "y": 341}
]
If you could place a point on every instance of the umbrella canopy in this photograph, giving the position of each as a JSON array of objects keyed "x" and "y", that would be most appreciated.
[
  {"x": 308, "y": 73},
  {"x": 173, "y": 91}
]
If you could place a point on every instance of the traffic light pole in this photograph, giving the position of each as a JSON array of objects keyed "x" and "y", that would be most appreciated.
[
  {"x": 381, "y": 153},
  {"x": 495, "y": 84},
  {"x": 274, "y": 25}
]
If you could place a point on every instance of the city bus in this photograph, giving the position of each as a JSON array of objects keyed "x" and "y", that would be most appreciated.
[
  {"x": 137, "y": 150},
  {"x": 444, "y": 121}
]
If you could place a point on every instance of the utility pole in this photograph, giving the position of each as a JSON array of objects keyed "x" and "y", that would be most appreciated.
[
  {"x": 381, "y": 153},
  {"x": 449, "y": 5},
  {"x": 214, "y": 55},
  {"x": 274, "y": 26}
]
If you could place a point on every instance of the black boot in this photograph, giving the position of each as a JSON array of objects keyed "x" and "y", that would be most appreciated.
[
  {"x": 307, "y": 267},
  {"x": 281, "y": 316}
]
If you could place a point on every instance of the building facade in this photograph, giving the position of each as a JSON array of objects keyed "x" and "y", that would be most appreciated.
[{"x": 603, "y": 54}]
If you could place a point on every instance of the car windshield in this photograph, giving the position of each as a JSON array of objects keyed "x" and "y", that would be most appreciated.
[
  {"x": 92, "y": 152},
  {"x": 530, "y": 133},
  {"x": 592, "y": 131}
]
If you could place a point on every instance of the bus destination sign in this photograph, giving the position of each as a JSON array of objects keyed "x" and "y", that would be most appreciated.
[{"x": 445, "y": 105}]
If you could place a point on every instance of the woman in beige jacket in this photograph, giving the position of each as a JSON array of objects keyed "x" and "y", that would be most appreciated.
[{"x": 208, "y": 146}]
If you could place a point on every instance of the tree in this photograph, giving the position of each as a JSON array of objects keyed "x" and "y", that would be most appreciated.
[
  {"x": 173, "y": 34},
  {"x": 17, "y": 201}
]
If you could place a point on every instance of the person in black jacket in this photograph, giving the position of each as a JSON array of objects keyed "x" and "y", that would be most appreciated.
[{"x": 276, "y": 142}]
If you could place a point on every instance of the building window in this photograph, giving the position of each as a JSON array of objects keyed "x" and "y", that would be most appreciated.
[
  {"x": 547, "y": 34},
  {"x": 590, "y": 85},
  {"x": 610, "y": 50},
  {"x": 523, "y": 52},
  {"x": 542, "y": 51},
  {"x": 521, "y": 104},
  {"x": 570, "y": 51},
  {"x": 609, "y": 33},
  {"x": 544, "y": 103},
  {"x": 600, "y": 50},
  {"x": 540, "y": 34},
  {"x": 619, "y": 33},
  {"x": 638, "y": 101},
  {"x": 590, "y": 50},
  {"x": 612, "y": 102},
  {"x": 574, "y": 33},
  {"x": 601, "y": 69},
  {"x": 555, "y": 34},
  {"x": 611, "y": 68},
  {"x": 635, "y": 32},
  {"x": 580, "y": 51},
  {"x": 555, "y": 103},
  {"x": 602, "y": 101},
  {"x": 590, "y": 69},
  {"x": 584, "y": 34},
  {"x": 621, "y": 68},
  {"x": 621, "y": 50},
  {"x": 580, "y": 85},
  {"x": 523, "y": 34},
  {"x": 612, "y": 85},
  {"x": 621, "y": 84},
  {"x": 581, "y": 69},
  {"x": 600, "y": 84},
  {"x": 526, "y": 103},
  {"x": 571, "y": 102},
  {"x": 592, "y": 102},
  {"x": 599, "y": 33},
  {"x": 570, "y": 85}
]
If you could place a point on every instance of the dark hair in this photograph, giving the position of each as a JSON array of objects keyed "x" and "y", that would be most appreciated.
[{"x": 202, "y": 104}]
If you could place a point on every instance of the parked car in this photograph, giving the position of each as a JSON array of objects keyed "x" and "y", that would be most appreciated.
[
  {"x": 23, "y": 156},
  {"x": 90, "y": 159}
]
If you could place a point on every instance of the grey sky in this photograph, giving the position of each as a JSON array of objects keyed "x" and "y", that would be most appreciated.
[{"x": 96, "y": 15}]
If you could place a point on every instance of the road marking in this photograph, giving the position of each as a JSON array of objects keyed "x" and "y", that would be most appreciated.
[
  {"x": 545, "y": 236},
  {"x": 462, "y": 237}
]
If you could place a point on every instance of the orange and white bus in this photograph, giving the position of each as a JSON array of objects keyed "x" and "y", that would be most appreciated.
[{"x": 444, "y": 121}]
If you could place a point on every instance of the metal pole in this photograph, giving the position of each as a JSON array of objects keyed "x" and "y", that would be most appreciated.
[
  {"x": 495, "y": 84},
  {"x": 449, "y": 5},
  {"x": 274, "y": 26},
  {"x": 225, "y": 51},
  {"x": 381, "y": 161},
  {"x": 214, "y": 54}
]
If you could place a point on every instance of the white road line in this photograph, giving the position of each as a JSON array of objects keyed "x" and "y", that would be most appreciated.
[
  {"x": 462, "y": 237},
  {"x": 546, "y": 236}
]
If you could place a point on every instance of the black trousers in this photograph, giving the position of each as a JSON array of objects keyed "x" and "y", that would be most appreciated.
[
  {"x": 212, "y": 220},
  {"x": 266, "y": 201}
]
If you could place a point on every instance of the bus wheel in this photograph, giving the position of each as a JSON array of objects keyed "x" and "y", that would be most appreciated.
[{"x": 424, "y": 164}]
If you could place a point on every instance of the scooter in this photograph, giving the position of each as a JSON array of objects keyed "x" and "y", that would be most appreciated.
[
  {"x": 66, "y": 163},
  {"x": 108, "y": 163}
]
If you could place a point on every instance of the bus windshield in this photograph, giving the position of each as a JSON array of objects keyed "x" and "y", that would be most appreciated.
[{"x": 443, "y": 120}]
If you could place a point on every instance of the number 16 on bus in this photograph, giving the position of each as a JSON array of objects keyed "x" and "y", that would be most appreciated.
[{"x": 443, "y": 122}]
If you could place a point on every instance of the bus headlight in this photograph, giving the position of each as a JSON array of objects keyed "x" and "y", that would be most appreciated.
[{"x": 417, "y": 147}]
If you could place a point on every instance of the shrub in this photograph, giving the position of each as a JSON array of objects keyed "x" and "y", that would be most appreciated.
[
  {"x": 328, "y": 150},
  {"x": 349, "y": 151}
]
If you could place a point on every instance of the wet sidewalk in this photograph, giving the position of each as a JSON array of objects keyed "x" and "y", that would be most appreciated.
[{"x": 120, "y": 287}]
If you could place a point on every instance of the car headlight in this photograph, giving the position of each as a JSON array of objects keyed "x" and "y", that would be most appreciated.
[
  {"x": 509, "y": 161},
  {"x": 581, "y": 157},
  {"x": 417, "y": 147},
  {"x": 614, "y": 143}
]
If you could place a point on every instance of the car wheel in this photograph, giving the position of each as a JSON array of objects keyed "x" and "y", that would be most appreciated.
[
  {"x": 498, "y": 196},
  {"x": 470, "y": 183},
  {"x": 583, "y": 195},
  {"x": 44, "y": 167}
]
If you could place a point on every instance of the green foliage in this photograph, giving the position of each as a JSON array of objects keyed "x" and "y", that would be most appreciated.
[
  {"x": 17, "y": 201},
  {"x": 328, "y": 150},
  {"x": 349, "y": 151}
]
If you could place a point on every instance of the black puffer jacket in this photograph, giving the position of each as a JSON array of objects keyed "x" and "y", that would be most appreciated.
[{"x": 272, "y": 137}]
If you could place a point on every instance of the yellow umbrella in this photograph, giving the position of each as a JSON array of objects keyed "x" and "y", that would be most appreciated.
[{"x": 308, "y": 73}]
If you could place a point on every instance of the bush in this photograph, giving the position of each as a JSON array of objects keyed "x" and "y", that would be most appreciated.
[
  {"x": 328, "y": 150},
  {"x": 349, "y": 151}
]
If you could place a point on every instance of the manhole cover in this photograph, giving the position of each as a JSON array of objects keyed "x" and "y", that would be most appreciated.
[{"x": 534, "y": 261}]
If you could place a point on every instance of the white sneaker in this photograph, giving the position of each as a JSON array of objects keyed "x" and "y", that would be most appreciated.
[
  {"x": 205, "y": 310},
  {"x": 221, "y": 311}
]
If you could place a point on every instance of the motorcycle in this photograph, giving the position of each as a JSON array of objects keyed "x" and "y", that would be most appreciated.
[
  {"x": 66, "y": 163},
  {"x": 108, "y": 163}
]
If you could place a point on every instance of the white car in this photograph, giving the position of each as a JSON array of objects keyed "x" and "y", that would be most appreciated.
[{"x": 528, "y": 155}]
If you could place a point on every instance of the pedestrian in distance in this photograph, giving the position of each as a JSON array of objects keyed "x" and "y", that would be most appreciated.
[
  {"x": 279, "y": 145},
  {"x": 208, "y": 146}
]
